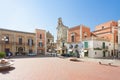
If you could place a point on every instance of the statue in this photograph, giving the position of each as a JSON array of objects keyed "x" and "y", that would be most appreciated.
[{"x": 60, "y": 21}]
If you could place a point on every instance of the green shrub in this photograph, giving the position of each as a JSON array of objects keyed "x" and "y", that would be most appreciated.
[
  {"x": 2, "y": 54},
  {"x": 72, "y": 53}
]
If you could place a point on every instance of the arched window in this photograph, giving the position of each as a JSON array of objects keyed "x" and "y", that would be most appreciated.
[{"x": 40, "y": 36}]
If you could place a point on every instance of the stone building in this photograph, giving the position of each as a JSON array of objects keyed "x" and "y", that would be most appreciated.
[
  {"x": 50, "y": 42},
  {"x": 19, "y": 42},
  {"x": 108, "y": 30},
  {"x": 61, "y": 36}
]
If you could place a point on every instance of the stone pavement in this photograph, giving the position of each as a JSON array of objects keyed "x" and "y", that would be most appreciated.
[{"x": 54, "y": 68}]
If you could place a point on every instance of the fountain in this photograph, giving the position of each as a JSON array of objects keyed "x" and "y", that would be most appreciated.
[{"x": 5, "y": 63}]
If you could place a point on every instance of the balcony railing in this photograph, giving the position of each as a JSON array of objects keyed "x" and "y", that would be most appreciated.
[{"x": 17, "y": 43}]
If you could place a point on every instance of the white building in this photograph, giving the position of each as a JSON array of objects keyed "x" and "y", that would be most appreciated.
[
  {"x": 97, "y": 47},
  {"x": 119, "y": 38}
]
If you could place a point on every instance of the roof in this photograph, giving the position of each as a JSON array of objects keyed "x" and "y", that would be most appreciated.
[
  {"x": 81, "y": 25},
  {"x": 49, "y": 35},
  {"x": 16, "y": 31},
  {"x": 92, "y": 34},
  {"x": 107, "y": 22}
]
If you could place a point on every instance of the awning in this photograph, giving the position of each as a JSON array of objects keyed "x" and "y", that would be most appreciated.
[
  {"x": 85, "y": 50},
  {"x": 70, "y": 50}
]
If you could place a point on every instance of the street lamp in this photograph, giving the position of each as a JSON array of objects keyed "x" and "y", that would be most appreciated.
[
  {"x": 5, "y": 40},
  {"x": 52, "y": 45}
]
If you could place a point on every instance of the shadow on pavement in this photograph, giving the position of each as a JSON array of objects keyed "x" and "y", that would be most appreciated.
[
  {"x": 7, "y": 70},
  {"x": 110, "y": 65},
  {"x": 76, "y": 60}
]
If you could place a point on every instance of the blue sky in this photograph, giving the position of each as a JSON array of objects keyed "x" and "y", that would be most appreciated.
[{"x": 26, "y": 15}]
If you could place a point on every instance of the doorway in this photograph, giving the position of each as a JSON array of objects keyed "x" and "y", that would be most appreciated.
[
  {"x": 104, "y": 54},
  {"x": 20, "y": 50},
  {"x": 86, "y": 53}
]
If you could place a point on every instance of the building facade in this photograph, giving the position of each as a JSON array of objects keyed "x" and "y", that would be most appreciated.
[
  {"x": 76, "y": 35},
  {"x": 17, "y": 41},
  {"x": 109, "y": 31},
  {"x": 50, "y": 42},
  {"x": 97, "y": 47},
  {"x": 119, "y": 38},
  {"x": 21, "y": 43},
  {"x": 61, "y": 37},
  {"x": 40, "y": 41}
]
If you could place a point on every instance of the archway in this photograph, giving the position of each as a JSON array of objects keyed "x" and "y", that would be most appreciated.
[{"x": 20, "y": 50}]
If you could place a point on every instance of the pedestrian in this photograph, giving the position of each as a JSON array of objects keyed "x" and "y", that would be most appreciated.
[{"x": 9, "y": 54}]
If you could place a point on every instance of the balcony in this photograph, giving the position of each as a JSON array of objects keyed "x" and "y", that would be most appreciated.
[{"x": 97, "y": 48}]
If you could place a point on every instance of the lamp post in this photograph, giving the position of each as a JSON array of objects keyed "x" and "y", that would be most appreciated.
[
  {"x": 51, "y": 43},
  {"x": 5, "y": 40}
]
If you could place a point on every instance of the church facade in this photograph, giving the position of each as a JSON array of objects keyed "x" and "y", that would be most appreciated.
[{"x": 61, "y": 37}]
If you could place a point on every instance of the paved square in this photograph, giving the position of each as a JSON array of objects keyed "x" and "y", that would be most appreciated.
[{"x": 54, "y": 68}]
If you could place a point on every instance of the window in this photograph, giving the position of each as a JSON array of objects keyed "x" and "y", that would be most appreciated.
[
  {"x": 40, "y": 44},
  {"x": 40, "y": 36},
  {"x": 102, "y": 27},
  {"x": 117, "y": 39},
  {"x": 95, "y": 53},
  {"x": 72, "y": 38},
  {"x": 20, "y": 40},
  {"x": 85, "y": 34},
  {"x": 103, "y": 45},
  {"x": 86, "y": 44},
  {"x": 30, "y": 42},
  {"x": 48, "y": 40},
  {"x": 63, "y": 44}
]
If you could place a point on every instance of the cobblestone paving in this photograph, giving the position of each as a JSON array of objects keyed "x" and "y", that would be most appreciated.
[{"x": 53, "y": 68}]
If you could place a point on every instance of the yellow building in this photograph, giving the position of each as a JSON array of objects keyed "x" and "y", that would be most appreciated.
[{"x": 19, "y": 42}]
